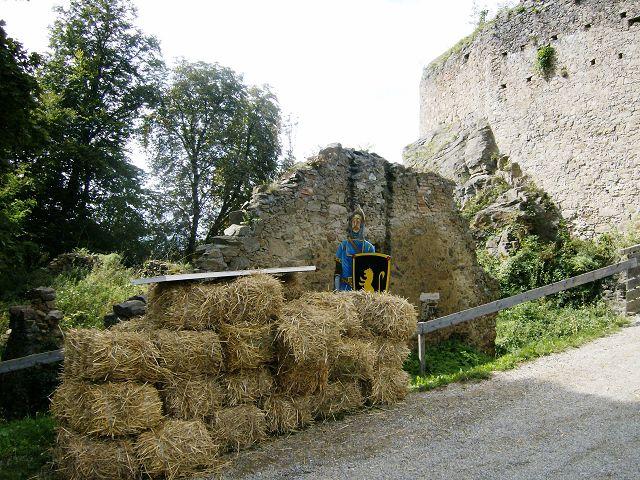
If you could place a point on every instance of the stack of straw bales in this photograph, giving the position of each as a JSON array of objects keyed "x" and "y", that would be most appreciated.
[{"x": 216, "y": 367}]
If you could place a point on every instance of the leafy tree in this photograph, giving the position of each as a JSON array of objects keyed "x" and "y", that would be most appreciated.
[
  {"x": 19, "y": 135},
  {"x": 211, "y": 140},
  {"x": 100, "y": 75}
]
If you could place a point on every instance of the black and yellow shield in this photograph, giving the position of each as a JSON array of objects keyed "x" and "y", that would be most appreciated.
[{"x": 371, "y": 272}]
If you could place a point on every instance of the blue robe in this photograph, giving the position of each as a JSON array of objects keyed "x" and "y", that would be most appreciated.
[{"x": 344, "y": 258}]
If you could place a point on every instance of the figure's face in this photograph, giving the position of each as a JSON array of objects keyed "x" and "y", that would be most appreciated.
[{"x": 356, "y": 222}]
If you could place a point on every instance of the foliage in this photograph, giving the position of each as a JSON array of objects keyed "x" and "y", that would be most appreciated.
[
  {"x": 86, "y": 297},
  {"x": 545, "y": 60},
  {"x": 18, "y": 98},
  {"x": 539, "y": 321},
  {"x": 538, "y": 263},
  {"x": 102, "y": 71},
  {"x": 525, "y": 332},
  {"x": 25, "y": 446},
  {"x": 485, "y": 197},
  {"x": 211, "y": 140}
]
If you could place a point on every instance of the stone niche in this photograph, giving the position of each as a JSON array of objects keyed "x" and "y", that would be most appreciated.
[{"x": 411, "y": 216}]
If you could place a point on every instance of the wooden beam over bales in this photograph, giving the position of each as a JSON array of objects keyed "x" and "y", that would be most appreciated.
[{"x": 212, "y": 275}]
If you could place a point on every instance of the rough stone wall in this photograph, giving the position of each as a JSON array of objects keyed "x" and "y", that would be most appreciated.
[
  {"x": 575, "y": 131},
  {"x": 410, "y": 216}
]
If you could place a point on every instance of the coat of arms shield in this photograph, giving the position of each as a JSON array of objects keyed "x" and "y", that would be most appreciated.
[{"x": 371, "y": 272}]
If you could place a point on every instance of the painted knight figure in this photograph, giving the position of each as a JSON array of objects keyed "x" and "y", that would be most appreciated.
[{"x": 357, "y": 264}]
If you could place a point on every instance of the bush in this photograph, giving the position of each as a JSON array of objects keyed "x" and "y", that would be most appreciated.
[{"x": 86, "y": 297}]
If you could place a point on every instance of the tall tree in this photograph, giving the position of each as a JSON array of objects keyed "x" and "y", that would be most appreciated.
[
  {"x": 101, "y": 73},
  {"x": 211, "y": 140}
]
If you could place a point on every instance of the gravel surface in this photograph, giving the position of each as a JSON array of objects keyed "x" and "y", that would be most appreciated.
[{"x": 572, "y": 415}]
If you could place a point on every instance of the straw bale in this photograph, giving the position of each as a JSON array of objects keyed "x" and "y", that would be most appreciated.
[
  {"x": 388, "y": 385},
  {"x": 390, "y": 354},
  {"x": 305, "y": 378},
  {"x": 80, "y": 457},
  {"x": 191, "y": 398},
  {"x": 110, "y": 355},
  {"x": 285, "y": 414},
  {"x": 254, "y": 298},
  {"x": 292, "y": 286},
  {"x": 340, "y": 307},
  {"x": 354, "y": 359},
  {"x": 337, "y": 399},
  {"x": 109, "y": 409},
  {"x": 239, "y": 427},
  {"x": 247, "y": 386},
  {"x": 177, "y": 448},
  {"x": 188, "y": 305},
  {"x": 191, "y": 353},
  {"x": 386, "y": 315},
  {"x": 137, "y": 324},
  {"x": 247, "y": 345},
  {"x": 308, "y": 333}
]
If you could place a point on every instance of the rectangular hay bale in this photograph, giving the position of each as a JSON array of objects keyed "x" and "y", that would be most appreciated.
[
  {"x": 285, "y": 414},
  {"x": 338, "y": 398},
  {"x": 109, "y": 409},
  {"x": 239, "y": 427},
  {"x": 197, "y": 397},
  {"x": 247, "y": 386},
  {"x": 81, "y": 457},
  {"x": 177, "y": 448},
  {"x": 187, "y": 352},
  {"x": 386, "y": 315},
  {"x": 247, "y": 345}
]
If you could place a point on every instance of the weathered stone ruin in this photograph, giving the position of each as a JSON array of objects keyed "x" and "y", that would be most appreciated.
[
  {"x": 34, "y": 329},
  {"x": 411, "y": 216},
  {"x": 571, "y": 128}
]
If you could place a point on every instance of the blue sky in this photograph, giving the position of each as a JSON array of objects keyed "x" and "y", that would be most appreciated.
[{"x": 346, "y": 71}]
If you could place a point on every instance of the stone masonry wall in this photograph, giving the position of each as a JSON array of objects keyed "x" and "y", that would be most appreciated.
[
  {"x": 574, "y": 132},
  {"x": 410, "y": 216}
]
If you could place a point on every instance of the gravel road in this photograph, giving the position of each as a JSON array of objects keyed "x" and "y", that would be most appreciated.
[{"x": 572, "y": 415}]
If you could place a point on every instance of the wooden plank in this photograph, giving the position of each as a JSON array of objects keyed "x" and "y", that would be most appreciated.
[
  {"x": 492, "y": 307},
  {"x": 630, "y": 250},
  {"x": 430, "y": 297},
  {"x": 633, "y": 283},
  {"x": 422, "y": 344},
  {"x": 632, "y": 294},
  {"x": 31, "y": 361},
  {"x": 633, "y": 306},
  {"x": 211, "y": 275}
]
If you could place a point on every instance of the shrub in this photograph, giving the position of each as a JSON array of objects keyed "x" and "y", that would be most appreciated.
[
  {"x": 545, "y": 60},
  {"x": 86, "y": 297}
]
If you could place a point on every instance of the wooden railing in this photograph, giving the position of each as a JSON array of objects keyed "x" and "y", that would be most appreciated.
[{"x": 633, "y": 298}]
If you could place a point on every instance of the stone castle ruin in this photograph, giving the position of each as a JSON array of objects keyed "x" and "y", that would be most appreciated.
[
  {"x": 570, "y": 123},
  {"x": 411, "y": 216}
]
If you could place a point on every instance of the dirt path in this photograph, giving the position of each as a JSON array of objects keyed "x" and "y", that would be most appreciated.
[{"x": 572, "y": 415}]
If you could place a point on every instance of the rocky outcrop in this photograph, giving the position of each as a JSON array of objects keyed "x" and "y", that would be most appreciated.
[
  {"x": 411, "y": 216},
  {"x": 570, "y": 127}
]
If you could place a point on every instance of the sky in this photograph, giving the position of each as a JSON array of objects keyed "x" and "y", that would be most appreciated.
[{"x": 344, "y": 71}]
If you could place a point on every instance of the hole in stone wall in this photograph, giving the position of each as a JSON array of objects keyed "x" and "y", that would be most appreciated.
[
  {"x": 623, "y": 14},
  {"x": 528, "y": 79},
  {"x": 633, "y": 21},
  {"x": 554, "y": 37},
  {"x": 504, "y": 54},
  {"x": 619, "y": 55},
  {"x": 587, "y": 26},
  {"x": 522, "y": 48},
  {"x": 593, "y": 61},
  {"x": 503, "y": 86},
  {"x": 466, "y": 57}
]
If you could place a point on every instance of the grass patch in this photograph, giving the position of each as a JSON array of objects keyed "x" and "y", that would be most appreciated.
[
  {"x": 25, "y": 447},
  {"x": 86, "y": 297},
  {"x": 524, "y": 332}
]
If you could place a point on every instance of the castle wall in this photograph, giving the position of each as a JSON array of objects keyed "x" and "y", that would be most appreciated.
[
  {"x": 575, "y": 132},
  {"x": 411, "y": 216}
]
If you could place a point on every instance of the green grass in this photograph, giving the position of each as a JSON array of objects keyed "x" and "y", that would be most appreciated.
[
  {"x": 25, "y": 447},
  {"x": 86, "y": 297},
  {"x": 524, "y": 332}
]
